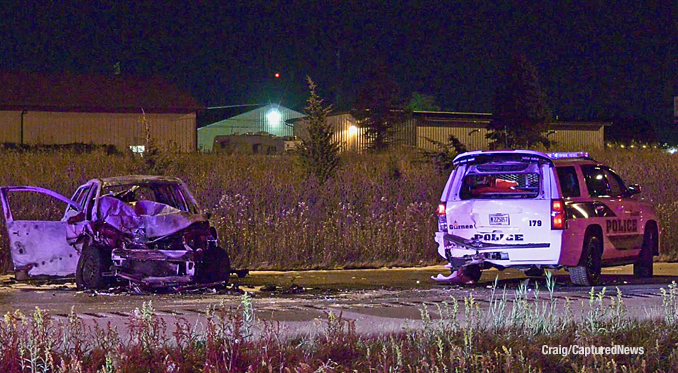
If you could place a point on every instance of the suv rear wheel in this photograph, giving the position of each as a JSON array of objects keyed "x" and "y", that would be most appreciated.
[
  {"x": 587, "y": 273},
  {"x": 643, "y": 267},
  {"x": 91, "y": 266}
]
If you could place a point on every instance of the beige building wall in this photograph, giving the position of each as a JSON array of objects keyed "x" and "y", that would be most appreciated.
[
  {"x": 472, "y": 133},
  {"x": 10, "y": 126},
  {"x": 473, "y": 138},
  {"x": 350, "y": 139},
  {"x": 567, "y": 137},
  {"x": 346, "y": 132},
  {"x": 577, "y": 139},
  {"x": 120, "y": 129}
]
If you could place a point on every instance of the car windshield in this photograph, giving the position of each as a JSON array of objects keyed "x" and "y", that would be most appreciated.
[
  {"x": 502, "y": 180},
  {"x": 167, "y": 193}
]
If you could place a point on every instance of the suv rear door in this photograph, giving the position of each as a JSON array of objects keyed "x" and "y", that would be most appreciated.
[
  {"x": 502, "y": 198},
  {"x": 37, "y": 245}
]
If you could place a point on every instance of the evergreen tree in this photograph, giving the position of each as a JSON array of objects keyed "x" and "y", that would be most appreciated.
[
  {"x": 445, "y": 153},
  {"x": 521, "y": 115},
  {"x": 319, "y": 153},
  {"x": 379, "y": 109},
  {"x": 422, "y": 102}
]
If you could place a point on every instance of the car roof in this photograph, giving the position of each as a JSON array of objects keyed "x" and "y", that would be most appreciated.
[
  {"x": 141, "y": 179},
  {"x": 575, "y": 161},
  {"x": 472, "y": 156}
]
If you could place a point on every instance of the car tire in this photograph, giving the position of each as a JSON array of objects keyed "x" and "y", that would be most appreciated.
[
  {"x": 472, "y": 272},
  {"x": 91, "y": 266},
  {"x": 644, "y": 266},
  {"x": 215, "y": 267},
  {"x": 587, "y": 273}
]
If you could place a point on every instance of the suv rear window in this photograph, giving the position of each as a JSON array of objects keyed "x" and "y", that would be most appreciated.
[{"x": 500, "y": 185}]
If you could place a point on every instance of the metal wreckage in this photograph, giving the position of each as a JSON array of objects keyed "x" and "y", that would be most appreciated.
[{"x": 145, "y": 229}]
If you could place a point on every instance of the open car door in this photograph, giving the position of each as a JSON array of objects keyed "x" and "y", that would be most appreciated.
[{"x": 37, "y": 238}]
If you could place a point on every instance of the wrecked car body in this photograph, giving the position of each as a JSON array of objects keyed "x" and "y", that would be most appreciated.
[{"x": 145, "y": 229}]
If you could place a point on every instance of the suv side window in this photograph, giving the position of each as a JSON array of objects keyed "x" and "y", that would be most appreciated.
[
  {"x": 596, "y": 182},
  {"x": 617, "y": 187},
  {"x": 569, "y": 184}
]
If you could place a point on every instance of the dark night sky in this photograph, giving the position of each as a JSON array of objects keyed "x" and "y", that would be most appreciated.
[{"x": 595, "y": 59}]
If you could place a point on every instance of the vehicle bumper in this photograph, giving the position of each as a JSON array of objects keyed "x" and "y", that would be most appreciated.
[
  {"x": 173, "y": 266},
  {"x": 456, "y": 249}
]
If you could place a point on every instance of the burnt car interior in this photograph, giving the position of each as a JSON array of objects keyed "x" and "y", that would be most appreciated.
[{"x": 160, "y": 193}]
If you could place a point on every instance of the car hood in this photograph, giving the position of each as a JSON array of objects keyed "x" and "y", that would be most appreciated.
[{"x": 154, "y": 219}]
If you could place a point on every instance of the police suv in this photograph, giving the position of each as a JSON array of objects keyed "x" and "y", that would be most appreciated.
[{"x": 531, "y": 210}]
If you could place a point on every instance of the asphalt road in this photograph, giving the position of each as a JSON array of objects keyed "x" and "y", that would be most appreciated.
[{"x": 380, "y": 300}]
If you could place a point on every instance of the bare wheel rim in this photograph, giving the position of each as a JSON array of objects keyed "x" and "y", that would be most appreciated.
[{"x": 88, "y": 269}]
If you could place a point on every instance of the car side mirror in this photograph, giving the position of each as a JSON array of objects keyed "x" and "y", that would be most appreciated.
[{"x": 634, "y": 189}]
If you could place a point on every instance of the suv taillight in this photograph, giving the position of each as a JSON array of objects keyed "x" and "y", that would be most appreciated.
[
  {"x": 442, "y": 217},
  {"x": 557, "y": 214}
]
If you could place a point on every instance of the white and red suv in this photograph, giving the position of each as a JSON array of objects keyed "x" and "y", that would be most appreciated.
[{"x": 531, "y": 210}]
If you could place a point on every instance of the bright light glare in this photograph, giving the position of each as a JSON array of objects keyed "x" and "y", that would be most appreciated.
[
  {"x": 273, "y": 117},
  {"x": 138, "y": 148},
  {"x": 352, "y": 130}
]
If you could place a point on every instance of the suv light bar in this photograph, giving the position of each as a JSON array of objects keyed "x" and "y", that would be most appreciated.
[{"x": 563, "y": 155}]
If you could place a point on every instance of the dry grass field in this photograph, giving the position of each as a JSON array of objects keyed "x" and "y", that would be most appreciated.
[{"x": 377, "y": 211}]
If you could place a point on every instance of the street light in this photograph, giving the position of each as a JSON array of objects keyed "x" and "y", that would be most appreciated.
[
  {"x": 352, "y": 132},
  {"x": 273, "y": 116}
]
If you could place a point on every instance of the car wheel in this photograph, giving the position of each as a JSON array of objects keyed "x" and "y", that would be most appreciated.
[
  {"x": 643, "y": 267},
  {"x": 215, "y": 267},
  {"x": 473, "y": 272},
  {"x": 587, "y": 273},
  {"x": 91, "y": 266}
]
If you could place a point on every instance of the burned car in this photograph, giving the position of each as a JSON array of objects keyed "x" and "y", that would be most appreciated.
[{"x": 145, "y": 229}]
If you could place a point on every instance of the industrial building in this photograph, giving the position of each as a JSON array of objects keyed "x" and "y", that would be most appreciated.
[
  {"x": 47, "y": 108},
  {"x": 469, "y": 128},
  {"x": 248, "y": 120}
]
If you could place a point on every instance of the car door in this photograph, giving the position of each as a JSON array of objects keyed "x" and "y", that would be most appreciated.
[
  {"x": 620, "y": 229},
  {"x": 625, "y": 232},
  {"x": 38, "y": 246},
  {"x": 80, "y": 221}
]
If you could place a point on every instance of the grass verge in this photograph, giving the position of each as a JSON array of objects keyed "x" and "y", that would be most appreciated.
[{"x": 529, "y": 333}]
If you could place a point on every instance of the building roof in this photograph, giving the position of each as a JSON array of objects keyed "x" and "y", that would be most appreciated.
[
  {"x": 217, "y": 114},
  {"x": 23, "y": 90},
  {"x": 215, "y": 117}
]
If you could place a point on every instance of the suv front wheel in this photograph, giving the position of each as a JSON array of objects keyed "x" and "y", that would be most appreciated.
[{"x": 587, "y": 273}]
